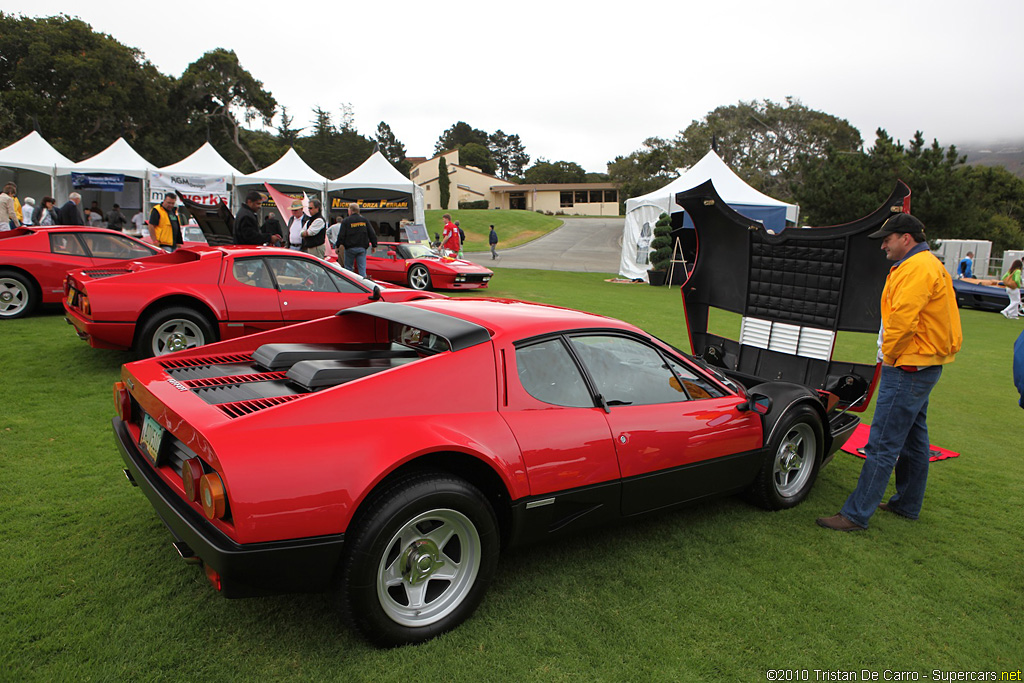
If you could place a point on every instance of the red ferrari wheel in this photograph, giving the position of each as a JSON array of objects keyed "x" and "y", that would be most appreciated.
[
  {"x": 792, "y": 461},
  {"x": 17, "y": 295},
  {"x": 174, "y": 329},
  {"x": 419, "y": 559},
  {"x": 419, "y": 277}
]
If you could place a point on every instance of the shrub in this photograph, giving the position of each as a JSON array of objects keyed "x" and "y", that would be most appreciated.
[
  {"x": 479, "y": 204},
  {"x": 661, "y": 245}
]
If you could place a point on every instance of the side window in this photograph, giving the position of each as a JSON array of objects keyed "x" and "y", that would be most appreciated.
[
  {"x": 548, "y": 373},
  {"x": 252, "y": 272},
  {"x": 695, "y": 386},
  {"x": 628, "y": 372},
  {"x": 301, "y": 275},
  {"x": 382, "y": 250},
  {"x": 66, "y": 243},
  {"x": 114, "y": 246},
  {"x": 345, "y": 285}
]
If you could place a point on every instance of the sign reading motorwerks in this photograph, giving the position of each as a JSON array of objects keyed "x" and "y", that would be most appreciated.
[
  {"x": 206, "y": 190},
  {"x": 391, "y": 204}
]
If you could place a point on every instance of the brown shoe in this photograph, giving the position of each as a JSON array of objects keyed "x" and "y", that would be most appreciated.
[
  {"x": 838, "y": 523},
  {"x": 888, "y": 508}
]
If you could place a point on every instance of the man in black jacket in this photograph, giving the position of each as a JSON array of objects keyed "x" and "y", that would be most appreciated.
[
  {"x": 69, "y": 213},
  {"x": 356, "y": 235},
  {"x": 247, "y": 225}
]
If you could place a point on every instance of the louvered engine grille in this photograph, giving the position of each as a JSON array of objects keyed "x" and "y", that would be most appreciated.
[
  {"x": 240, "y": 408},
  {"x": 105, "y": 272},
  {"x": 231, "y": 380}
]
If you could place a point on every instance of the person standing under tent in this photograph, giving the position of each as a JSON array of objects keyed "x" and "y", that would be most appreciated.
[{"x": 164, "y": 224}]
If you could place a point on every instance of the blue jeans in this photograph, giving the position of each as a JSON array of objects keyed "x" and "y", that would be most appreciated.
[
  {"x": 355, "y": 256},
  {"x": 898, "y": 440}
]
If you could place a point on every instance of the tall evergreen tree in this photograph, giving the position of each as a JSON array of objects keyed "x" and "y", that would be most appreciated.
[
  {"x": 509, "y": 154},
  {"x": 444, "y": 182},
  {"x": 392, "y": 149}
]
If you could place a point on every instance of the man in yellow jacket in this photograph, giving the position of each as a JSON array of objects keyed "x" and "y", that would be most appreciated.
[{"x": 920, "y": 333}]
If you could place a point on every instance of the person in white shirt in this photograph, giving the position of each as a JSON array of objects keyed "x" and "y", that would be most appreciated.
[
  {"x": 295, "y": 225},
  {"x": 27, "y": 209},
  {"x": 138, "y": 220}
]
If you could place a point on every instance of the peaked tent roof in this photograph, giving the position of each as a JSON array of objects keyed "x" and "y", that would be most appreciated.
[
  {"x": 729, "y": 186},
  {"x": 204, "y": 161},
  {"x": 118, "y": 158},
  {"x": 376, "y": 172},
  {"x": 290, "y": 169},
  {"x": 33, "y": 153}
]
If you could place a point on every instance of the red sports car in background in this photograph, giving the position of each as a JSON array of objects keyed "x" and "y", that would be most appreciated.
[
  {"x": 200, "y": 294},
  {"x": 540, "y": 421},
  {"x": 34, "y": 261},
  {"x": 420, "y": 267}
]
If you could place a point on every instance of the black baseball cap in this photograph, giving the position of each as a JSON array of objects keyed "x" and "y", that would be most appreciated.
[{"x": 901, "y": 222}]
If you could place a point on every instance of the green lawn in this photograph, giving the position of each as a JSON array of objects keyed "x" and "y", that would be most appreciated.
[
  {"x": 91, "y": 589},
  {"x": 513, "y": 227}
]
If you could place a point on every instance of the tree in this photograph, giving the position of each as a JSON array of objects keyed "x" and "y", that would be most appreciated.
[
  {"x": 444, "y": 182},
  {"x": 82, "y": 89},
  {"x": 508, "y": 153},
  {"x": 458, "y": 135},
  {"x": 392, "y": 149},
  {"x": 476, "y": 155},
  {"x": 333, "y": 151},
  {"x": 216, "y": 86},
  {"x": 763, "y": 141},
  {"x": 643, "y": 171},
  {"x": 285, "y": 133},
  {"x": 544, "y": 172}
]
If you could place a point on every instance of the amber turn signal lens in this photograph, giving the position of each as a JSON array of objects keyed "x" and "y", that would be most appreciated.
[
  {"x": 191, "y": 473},
  {"x": 212, "y": 496},
  {"x": 122, "y": 401}
]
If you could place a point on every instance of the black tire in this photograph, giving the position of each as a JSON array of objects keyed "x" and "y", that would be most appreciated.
[
  {"x": 419, "y": 277},
  {"x": 18, "y": 295},
  {"x": 398, "y": 586},
  {"x": 173, "y": 329},
  {"x": 791, "y": 462}
]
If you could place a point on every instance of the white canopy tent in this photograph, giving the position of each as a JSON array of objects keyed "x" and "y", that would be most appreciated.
[
  {"x": 642, "y": 212},
  {"x": 31, "y": 161},
  {"x": 117, "y": 159},
  {"x": 290, "y": 171},
  {"x": 204, "y": 161},
  {"x": 203, "y": 177},
  {"x": 377, "y": 174}
]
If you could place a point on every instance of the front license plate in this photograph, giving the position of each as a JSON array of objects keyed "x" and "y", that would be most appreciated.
[{"x": 152, "y": 436}]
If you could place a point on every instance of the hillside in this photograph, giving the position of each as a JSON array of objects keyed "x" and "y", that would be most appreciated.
[{"x": 1009, "y": 155}]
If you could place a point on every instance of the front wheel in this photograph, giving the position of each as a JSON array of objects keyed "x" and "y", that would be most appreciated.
[
  {"x": 792, "y": 461},
  {"x": 419, "y": 559},
  {"x": 174, "y": 329},
  {"x": 17, "y": 295},
  {"x": 419, "y": 277}
]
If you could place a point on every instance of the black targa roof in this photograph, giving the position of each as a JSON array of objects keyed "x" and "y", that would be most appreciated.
[{"x": 794, "y": 287}]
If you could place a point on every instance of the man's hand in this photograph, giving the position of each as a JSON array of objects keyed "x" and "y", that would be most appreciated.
[{"x": 275, "y": 240}]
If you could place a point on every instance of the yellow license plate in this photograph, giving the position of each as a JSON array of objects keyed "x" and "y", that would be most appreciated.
[
  {"x": 152, "y": 436},
  {"x": 71, "y": 297}
]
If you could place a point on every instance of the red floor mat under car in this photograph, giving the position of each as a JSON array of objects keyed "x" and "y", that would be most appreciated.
[{"x": 855, "y": 444}]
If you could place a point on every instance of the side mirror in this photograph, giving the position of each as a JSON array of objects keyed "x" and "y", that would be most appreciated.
[
  {"x": 392, "y": 254},
  {"x": 756, "y": 403},
  {"x": 375, "y": 295}
]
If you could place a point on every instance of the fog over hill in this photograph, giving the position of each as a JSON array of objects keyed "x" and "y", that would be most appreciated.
[{"x": 1006, "y": 153}]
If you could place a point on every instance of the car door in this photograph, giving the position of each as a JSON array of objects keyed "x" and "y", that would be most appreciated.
[
  {"x": 111, "y": 246},
  {"x": 250, "y": 296},
  {"x": 309, "y": 289},
  {"x": 380, "y": 266},
  {"x": 677, "y": 435},
  {"x": 563, "y": 436}
]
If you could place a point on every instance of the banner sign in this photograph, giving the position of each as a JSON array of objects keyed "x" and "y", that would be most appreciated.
[
  {"x": 397, "y": 204},
  {"x": 212, "y": 199},
  {"x": 105, "y": 182},
  {"x": 416, "y": 232},
  {"x": 205, "y": 190}
]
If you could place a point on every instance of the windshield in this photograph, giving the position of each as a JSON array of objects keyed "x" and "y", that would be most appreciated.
[{"x": 419, "y": 251}]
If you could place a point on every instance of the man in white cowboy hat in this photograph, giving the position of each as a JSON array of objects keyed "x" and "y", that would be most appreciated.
[{"x": 295, "y": 225}]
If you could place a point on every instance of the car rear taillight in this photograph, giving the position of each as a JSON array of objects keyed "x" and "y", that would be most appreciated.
[
  {"x": 212, "y": 495},
  {"x": 191, "y": 473},
  {"x": 83, "y": 303},
  {"x": 122, "y": 401}
]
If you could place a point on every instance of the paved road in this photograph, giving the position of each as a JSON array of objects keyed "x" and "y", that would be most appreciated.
[{"x": 583, "y": 245}]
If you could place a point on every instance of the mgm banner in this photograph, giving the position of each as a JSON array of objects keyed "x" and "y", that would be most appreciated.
[{"x": 205, "y": 190}]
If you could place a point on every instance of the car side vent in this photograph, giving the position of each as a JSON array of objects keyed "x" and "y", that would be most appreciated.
[
  {"x": 205, "y": 360},
  {"x": 106, "y": 272},
  {"x": 240, "y": 408},
  {"x": 233, "y": 379}
]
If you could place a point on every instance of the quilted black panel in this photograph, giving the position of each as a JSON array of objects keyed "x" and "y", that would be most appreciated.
[{"x": 796, "y": 283}]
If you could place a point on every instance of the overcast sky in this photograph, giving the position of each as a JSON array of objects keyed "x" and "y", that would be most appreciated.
[{"x": 586, "y": 82}]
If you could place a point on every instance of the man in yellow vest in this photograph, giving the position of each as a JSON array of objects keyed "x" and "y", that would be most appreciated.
[{"x": 164, "y": 227}]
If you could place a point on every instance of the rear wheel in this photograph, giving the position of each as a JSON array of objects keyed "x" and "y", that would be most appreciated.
[
  {"x": 17, "y": 295},
  {"x": 792, "y": 461},
  {"x": 174, "y": 329},
  {"x": 419, "y": 559},
  {"x": 419, "y": 277}
]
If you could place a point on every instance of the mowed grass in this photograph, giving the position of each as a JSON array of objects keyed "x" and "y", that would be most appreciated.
[
  {"x": 513, "y": 227},
  {"x": 91, "y": 589}
]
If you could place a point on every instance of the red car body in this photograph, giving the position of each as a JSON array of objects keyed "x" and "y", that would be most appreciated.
[
  {"x": 34, "y": 261},
  {"x": 541, "y": 421},
  {"x": 199, "y": 294},
  {"x": 419, "y": 267}
]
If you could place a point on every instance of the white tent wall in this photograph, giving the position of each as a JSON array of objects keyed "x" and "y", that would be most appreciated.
[
  {"x": 646, "y": 209},
  {"x": 29, "y": 163},
  {"x": 30, "y": 183}
]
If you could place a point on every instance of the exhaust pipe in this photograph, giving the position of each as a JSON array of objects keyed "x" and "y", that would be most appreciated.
[
  {"x": 186, "y": 553},
  {"x": 129, "y": 477}
]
